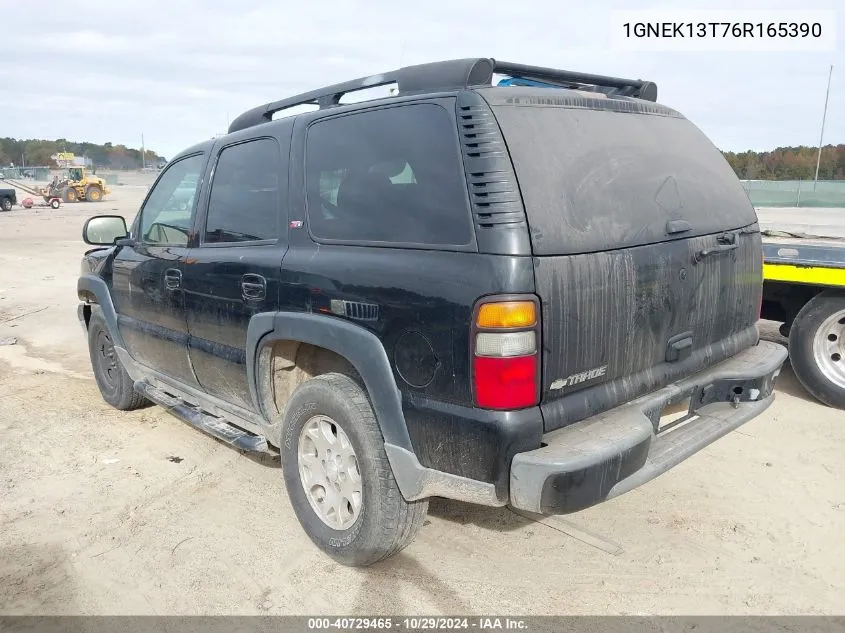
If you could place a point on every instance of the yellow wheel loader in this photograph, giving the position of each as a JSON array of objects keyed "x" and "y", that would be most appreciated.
[{"x": 77, "y": 185}]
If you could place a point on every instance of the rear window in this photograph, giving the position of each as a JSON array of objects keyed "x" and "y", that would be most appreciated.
[
  {"x": 597, "y": 180},
  {"x": 244, "y": 202},
  {"x": 392, "y": 175}
]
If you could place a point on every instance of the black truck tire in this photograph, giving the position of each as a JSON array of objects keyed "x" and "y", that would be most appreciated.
[
  {"x": 6, "y": 204},
  {"x": 817, "y": 347},
  {"x": 333, "y": 406},
  {"x": 116, "y": 387}
]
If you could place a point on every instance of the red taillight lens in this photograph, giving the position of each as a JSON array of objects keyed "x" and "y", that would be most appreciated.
[{"x": 505, "y": 383}]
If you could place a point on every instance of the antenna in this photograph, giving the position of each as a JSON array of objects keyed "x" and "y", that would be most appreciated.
[{"x": 821, "y": 137}]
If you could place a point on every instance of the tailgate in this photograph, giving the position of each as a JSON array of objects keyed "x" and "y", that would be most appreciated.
[
  {"x": 619, "y": 324},
  {"x": 647, "y": 252}
]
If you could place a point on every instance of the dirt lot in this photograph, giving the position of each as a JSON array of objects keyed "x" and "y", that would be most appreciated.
[{"x": 107, "y": 512}]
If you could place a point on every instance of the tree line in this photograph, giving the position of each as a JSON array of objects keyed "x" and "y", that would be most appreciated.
[
  {"x": 789, "y": 163},
  {"x": 38, "y": 152},
  {"x": 783, "y": 163}
]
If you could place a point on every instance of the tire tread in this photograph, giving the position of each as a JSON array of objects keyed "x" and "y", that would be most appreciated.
[{"x": 401, "y": 520}]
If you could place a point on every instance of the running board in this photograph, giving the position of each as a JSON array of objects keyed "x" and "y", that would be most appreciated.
[{"x": 213, "y": 425}]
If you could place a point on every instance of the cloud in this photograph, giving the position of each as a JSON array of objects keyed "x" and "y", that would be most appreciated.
[{"x": 177, "y": 71}]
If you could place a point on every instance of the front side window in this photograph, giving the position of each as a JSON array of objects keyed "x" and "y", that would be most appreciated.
[
  {"x": 244, "y": 201},
  {"x": 391, "y": 175},
  {"x": 167, "y": 216}
]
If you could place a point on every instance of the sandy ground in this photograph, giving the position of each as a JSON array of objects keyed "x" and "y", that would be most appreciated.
[{"x": 103, "y": 512}]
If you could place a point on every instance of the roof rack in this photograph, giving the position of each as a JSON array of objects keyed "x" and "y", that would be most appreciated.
[{"x": 448, "y": 75}]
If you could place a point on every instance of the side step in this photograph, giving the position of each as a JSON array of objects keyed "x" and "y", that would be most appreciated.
[{"x": 211, "y": 424}]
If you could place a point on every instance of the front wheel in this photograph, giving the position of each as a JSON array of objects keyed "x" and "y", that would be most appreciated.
[
  {"x": 115, "y": 384},
  {"x": 817, "y": 348},
  {"x": 337, "y": 475},
  {"x": 6, "y": 204}
]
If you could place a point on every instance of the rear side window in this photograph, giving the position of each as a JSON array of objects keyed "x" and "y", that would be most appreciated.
[
  {"x": 244, "y": 202},
  {"x": 393, "y": 175}
]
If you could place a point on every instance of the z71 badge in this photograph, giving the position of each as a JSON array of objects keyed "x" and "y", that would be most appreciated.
[{"x": 577, "y": 379}]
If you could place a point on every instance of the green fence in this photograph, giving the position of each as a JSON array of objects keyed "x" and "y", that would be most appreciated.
[
  {"x": 795, "y": 193},
  {"x": 24, "y": 173}
]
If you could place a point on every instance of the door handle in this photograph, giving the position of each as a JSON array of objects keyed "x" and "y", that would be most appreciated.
[
  {"x": 172, "y": 278},
  {"x": 253, "y": 287}
]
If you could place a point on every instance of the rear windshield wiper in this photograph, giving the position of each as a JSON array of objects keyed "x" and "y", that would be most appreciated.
[{"x": 727, "y": 242}]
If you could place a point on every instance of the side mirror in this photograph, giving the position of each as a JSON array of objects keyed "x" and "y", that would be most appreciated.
[{"x": 104, "y": 230}]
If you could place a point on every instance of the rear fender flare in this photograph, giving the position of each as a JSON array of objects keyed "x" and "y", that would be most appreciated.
[{"x": 357, "y": 345}]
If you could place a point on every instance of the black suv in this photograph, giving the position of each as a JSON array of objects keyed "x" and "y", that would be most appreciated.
[{"x": 492, "y": 293}]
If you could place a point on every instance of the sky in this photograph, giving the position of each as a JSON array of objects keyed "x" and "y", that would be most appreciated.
[{"x": 178, "y": 71}]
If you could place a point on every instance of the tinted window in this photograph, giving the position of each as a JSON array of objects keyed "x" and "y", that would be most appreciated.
[
  {"x": 597, "y": 180},
  {"x": 167, "y": 215},
  {"x": 244, "y": 201},
  {"x": 392, "y": 175}
]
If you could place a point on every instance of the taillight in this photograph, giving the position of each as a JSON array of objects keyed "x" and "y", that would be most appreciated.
[{"x": 505, "y": 353}]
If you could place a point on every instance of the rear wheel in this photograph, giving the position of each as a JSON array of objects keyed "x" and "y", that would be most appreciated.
[
  {"x": 6, "y": 204},
  {"x": 817, "y": 348},
  {"x": 337, "y": 475},
  {"x": 93, "y": 193},
  {"x": 115, "y": 384}
]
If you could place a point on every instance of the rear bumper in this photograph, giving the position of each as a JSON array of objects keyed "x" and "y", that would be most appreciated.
[{"x": 607, "y": 455}]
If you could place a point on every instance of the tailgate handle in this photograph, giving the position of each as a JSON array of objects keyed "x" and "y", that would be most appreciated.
[
  {"x": 727, "y": 243},
  {"x": 677, "y": 226},
  {"x": 679, "y": 347}
]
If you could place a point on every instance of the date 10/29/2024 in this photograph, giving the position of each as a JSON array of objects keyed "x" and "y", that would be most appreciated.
[{"x": 491, "y": 623}]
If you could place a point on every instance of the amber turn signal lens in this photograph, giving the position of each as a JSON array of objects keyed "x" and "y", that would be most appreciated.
[{"x": 507, "y": 314}]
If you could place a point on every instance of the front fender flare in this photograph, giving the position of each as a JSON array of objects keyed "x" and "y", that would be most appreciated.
[{"x": 90, "y": 284}]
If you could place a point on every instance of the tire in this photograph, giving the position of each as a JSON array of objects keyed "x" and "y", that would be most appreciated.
[
  {"x": 115, "y": 384},
  {"x": 93, "y": 193},
  {"x": 69, "y": 195},
  {"x": 55, "y": 203},
  {"x": 6, "y": 204},
  {"x": 817, "y": 348},
  {"x": 385, "y": 522}
]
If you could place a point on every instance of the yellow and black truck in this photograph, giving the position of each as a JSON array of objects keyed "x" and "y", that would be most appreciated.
[{"x": 804, "y": 290}]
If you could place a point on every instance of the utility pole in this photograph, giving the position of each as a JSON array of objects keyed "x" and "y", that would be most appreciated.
[
  {"x": 143, "y": 153},
  {"x": 824, "y": 116}
]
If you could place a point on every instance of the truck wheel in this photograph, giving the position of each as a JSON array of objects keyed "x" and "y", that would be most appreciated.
[
  {"x": 69, "y": 195},
  {"x": 115, "y": 384},
  {"x": 6, "y": 204},
  {"x": 817, "y": 348},
  {"x": 93, "y": 193},
  {"x": 337, "y": 475}
]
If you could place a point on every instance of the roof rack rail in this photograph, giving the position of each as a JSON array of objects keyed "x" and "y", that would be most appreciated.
[{"x": 447, "y": 75}]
